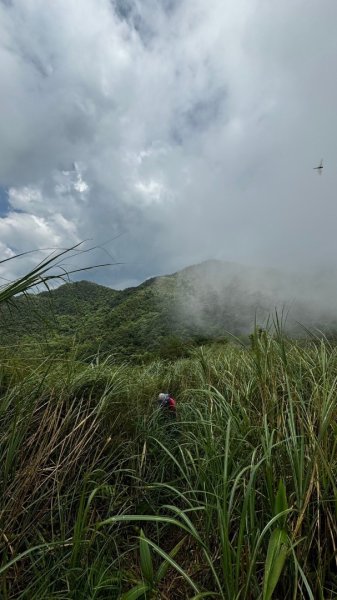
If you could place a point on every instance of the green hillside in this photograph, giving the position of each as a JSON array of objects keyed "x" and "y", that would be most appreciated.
[
  {"x": 164, "y": 316},
  {"x": 106, "y": 496}
]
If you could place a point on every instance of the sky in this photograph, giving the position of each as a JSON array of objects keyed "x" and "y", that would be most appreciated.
[{"x": 168, "y": 132}]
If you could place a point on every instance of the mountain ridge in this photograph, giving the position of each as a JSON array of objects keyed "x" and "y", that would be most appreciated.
[{"x": 201, "y": 303}]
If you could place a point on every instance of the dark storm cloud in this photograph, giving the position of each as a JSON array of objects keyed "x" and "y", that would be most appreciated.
[{"x": 188, "y": 129}]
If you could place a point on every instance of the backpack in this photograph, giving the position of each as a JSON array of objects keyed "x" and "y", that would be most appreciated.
[{"x": 172, "y": 405}]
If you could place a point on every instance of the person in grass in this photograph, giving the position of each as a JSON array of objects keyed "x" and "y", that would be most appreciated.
[{"x": 167, "y": 405}]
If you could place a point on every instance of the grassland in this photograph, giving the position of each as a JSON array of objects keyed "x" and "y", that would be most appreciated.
[{"x": 100, "y": 498}]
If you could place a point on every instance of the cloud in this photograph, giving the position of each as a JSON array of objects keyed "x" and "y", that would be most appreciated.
[{"x": 188, "y": 129}]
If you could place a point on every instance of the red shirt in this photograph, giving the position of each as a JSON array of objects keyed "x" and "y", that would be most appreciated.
[{"x": 172, "y": 405}]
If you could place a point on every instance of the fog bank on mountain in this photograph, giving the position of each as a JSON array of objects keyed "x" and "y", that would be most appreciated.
[{"x": 219, "y": 296}]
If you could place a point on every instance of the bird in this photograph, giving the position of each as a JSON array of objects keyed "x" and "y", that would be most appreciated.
[{"x": 319, "y": 168}]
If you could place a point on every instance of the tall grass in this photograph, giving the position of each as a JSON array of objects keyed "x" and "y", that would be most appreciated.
[{"x": 101, "y": 498}]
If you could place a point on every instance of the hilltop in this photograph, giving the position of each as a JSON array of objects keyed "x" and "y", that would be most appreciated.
[{"x": 164, "y": 315}]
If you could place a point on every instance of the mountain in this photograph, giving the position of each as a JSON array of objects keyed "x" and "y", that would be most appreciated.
[{"x": 165, "y": 315}]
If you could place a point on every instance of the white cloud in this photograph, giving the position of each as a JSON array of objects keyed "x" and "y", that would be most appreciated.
[
  {"x": 25, "y": 198},
  {"x": 80, "y": 185},
  {"x": 151, "y": 191},
  {"x": 190, "y": 127}
]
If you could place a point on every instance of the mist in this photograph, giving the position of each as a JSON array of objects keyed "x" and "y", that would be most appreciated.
[
  {"x": 169, "y": 133},
  {"x": 217, "y": 298}
]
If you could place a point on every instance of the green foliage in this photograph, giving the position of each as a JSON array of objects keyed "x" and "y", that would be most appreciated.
[
  {"x": 281, "y": 504},
  {"x": 277, "y": 552},
  {"x": 173, "y": 347},
  {"x": 134, "y": 325},
  {"x": 237, "y": 499},
  {"x": 279, "y": 545},
  {"x": 151, "y": 579},
  {"x": 146, "y": 564}
]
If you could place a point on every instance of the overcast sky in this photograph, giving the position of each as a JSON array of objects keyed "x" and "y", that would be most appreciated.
[{"x": 188, "y": 128}]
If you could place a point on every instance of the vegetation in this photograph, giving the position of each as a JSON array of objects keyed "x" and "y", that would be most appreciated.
[
  {"x": 132, "y": 324},
  {"x": 238, "y": 499},
  {"x": 102, "y": 497},
  {"x": 165, "y": 317}
]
